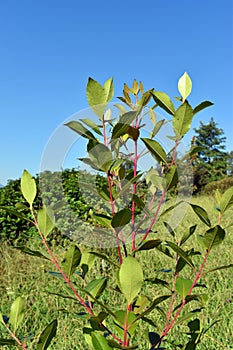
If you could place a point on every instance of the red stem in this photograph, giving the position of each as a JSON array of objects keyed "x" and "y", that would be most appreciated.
[
  {"x": 155, "y": 216},
  {"x": 198, "y": 275},
  {"x": 23, "y": 346},
  {"x": 134, "y": 192}
]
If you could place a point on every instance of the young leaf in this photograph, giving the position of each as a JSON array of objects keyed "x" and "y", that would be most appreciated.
[
  {"x": 182, "y": 120},
  {"x": 109, "y": 89},
  {"x": 28, "y": 187},
  {"x": 47, "y": 335},
  {"x": 17, "y": 313},
  {"x": 183, "y": 286},
  {"x": 213, "y": 237},
  {"x": 130, "y": 278},
  {"x": 226, "y": 200},
  {"x": 45, "y": 221},
  {"x": 185, "y": 86},
  {"x": 156, "y": 150},
  {"x": 99, "y": 342},
  {"x": 164, "y": 101},
  {"x": 71, "y": 260},
  {"x": 201, "y": 213},
  {"x": 97, "y": 96},
  {"x": 121, "y": 218}
]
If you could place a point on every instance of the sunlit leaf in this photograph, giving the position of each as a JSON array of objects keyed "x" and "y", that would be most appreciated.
[
  {"x": 99, "y": 342},
  {"x": 183, "y": 286},
  {"x": 182, "y": 120},
  {"x": 226, "y": 200},
  {"x": 156, "y": 150},
  {"x": 130, "y": 278},
  {"x": 45, "y": 219},
  {"x": 71, "y": 260},
  {"x": 28, "y": 187},
  {"x": 201, "y": 213},
  {"x": 185, "y": 86},
  {"x": 17, "y": 313},
  {"x": 213, "y": 237},
  {"x": 181, "y": 253},
  {"x": 164, "y": 101}
]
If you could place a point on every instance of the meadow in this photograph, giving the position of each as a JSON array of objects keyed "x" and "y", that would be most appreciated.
[{"x": 29, "y": 277}]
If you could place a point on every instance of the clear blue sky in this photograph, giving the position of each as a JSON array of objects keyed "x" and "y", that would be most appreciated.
[{"x": 49, "y": 48}]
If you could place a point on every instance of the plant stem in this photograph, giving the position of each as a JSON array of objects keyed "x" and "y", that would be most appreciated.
[
  {"x": 13, "y": 335},
  {"x": 56, "y": 263},
  {"x": 155, "y": 216},
  {"x": 198, "y": 275},
  {"x": 126, "y": 326},
  {"x": 134, "y": 192}
]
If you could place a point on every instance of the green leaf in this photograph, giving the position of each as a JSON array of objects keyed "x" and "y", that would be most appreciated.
[
  {"x": 153, "y": 305},
  {"x": 148, "y": 245},
  {"x": 92, "y": 125},
  {"x": 105, "y": 257},
  {"x": 100, "y": 156},
  {"x": 182, "y": 120},
  {"x": 188, "y": 234},
  {"x": 80, "y": 129},
  {"x": 186, "y": 317},
  {"x": 218, "y": 268},
  {"x": 103, "y": 220},
  {"x": 201, "y": 213},
  {"x": 45, "y": 221},
  {"x": 171, "y": 177},
  {"x": 16, "y": 213},
  {"x": 185, "y": 86},
  {"x": 115, "y": 345},
  {"x": 8, "y": 342},
  {"x": 121, "y": 319},
  {"x": 202, "y": 106},
  {"x": 109, "y": 89},
  {"x": 17, "y": 313},
  {"x": 121, "y": 218},
  {"x": 156, "y": 150},
  {"x": 28, "y": 187},
  {"x": 47, "y": 335},
  {"x": 226, "y": 200},
  {"x": 181, "y": 253},
  {"x": 154, "y": 180},
  {"x": 213, "y": 237},
  {"x": 183, "y": 286},
  {"x": 192, "y": 152},
  {"x": 96, "y": 287},
  {"x": 28, "y": 251},
  {"x": 164, "y": 101},
  {"x": 141, "y": 303},
  {"x": 97, "y": 96},
  {"x": 71, "y": 260},
  {"x": 99, "y": 342},
  {"x": 123, "y": 124},
  {"x": 130, "y": 278}
]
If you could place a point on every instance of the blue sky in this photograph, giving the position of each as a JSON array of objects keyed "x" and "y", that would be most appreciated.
[{"x": 49, "y": 48}]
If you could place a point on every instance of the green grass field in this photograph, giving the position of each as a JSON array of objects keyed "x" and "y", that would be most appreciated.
[{"x": 28, "y": 276}]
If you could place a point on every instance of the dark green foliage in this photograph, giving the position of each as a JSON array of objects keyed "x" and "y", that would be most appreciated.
[
  {"x": 222, "y": 185},
  {"x": 211, "y": 163}
]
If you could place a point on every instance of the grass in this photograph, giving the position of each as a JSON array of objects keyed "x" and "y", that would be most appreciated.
[{"x": 28, "y": 276}]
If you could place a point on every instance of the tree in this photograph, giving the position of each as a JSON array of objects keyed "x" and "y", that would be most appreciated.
[
  {"x": 211, "y": 163},
  {"x": 230, "y": 163}
]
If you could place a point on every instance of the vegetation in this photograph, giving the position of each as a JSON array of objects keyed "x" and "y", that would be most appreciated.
[{"x": 149, "y": 278}]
